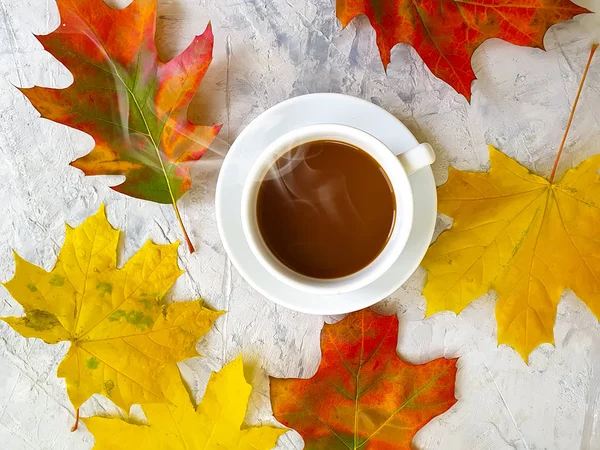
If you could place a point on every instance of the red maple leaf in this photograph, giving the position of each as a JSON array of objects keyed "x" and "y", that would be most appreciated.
[{"x": 445, "y": 33}]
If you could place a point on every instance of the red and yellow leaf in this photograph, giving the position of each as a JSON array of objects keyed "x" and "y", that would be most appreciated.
[
  {"x": 446, "y": 33},
  {"x": 363, "y": 395},
  {"x": 130, "y": 102}
]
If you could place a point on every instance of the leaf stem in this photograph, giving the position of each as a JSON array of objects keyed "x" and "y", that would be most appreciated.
[
  {"x": 564, "y": 139},
  {"x": 116, "y": 73},
  {"x": 187, "y": 238},
  {"x": 76, "y": 424}
]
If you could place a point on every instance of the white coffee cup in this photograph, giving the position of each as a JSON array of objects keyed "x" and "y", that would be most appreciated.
[{"x": 397, "y": 169}]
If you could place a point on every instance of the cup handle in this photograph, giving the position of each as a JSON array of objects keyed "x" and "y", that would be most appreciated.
[{"x": 416, "y": 158}]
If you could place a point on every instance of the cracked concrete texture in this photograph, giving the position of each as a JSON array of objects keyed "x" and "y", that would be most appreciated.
[{"x": 280, "y": 49}]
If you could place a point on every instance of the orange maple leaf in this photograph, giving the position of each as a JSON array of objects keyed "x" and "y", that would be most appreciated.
[{"x": 363, "y": 395}]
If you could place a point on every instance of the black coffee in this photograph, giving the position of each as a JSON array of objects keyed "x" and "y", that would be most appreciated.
[{"x": 326, "y": 209}]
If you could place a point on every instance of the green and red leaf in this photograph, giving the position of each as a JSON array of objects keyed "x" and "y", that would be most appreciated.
[
  {"x": 363, "y": 395},
  {"x": 130, "y": 102}
]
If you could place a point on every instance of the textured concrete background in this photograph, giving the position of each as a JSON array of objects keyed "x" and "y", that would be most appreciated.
[{"x": 280, "y": 49}]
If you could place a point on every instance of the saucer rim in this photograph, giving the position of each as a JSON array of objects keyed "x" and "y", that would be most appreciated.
[{"x": 310, "y": 307}]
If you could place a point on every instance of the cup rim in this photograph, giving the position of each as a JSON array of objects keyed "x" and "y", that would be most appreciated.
[{"x": 402, "y": 194}]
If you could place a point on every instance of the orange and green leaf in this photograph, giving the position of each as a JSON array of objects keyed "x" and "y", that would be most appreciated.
[
  {"x": 130, "y": 102},
  {"x": 446, "y": 33},
  {"x": 363, "y": 395}
]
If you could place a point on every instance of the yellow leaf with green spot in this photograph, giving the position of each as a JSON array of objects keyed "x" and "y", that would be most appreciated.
[
  {"x": 215, "y": 424},
  {"x": 123, "y": 338}
]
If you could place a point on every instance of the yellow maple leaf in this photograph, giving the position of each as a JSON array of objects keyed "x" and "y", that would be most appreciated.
[
  {"x": 523, "y": 236},
  {"x": 122, "y": 335},
  {"x": 215, "y": 424}
]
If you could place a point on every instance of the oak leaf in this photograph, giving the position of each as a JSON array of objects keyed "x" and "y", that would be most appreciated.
[
  {"x": 523, "y": 236},
  {"x": 122, "y": 335},
  {"x": 446, "y": 33},
  {"x": 130, "y": 102},
  {"x": 363, "y": 395},
  {"x": 215, "y": 424}
]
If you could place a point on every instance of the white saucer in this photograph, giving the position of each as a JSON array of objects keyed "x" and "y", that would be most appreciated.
[{"x": 309, "y": 110}]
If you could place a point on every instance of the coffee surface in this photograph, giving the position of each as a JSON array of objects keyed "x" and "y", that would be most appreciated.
[{"x": 326, "y": 209}]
